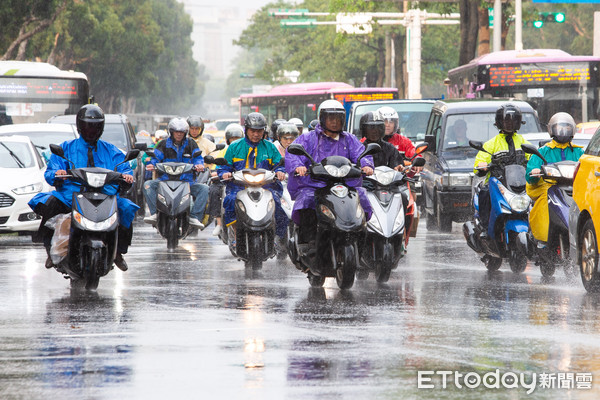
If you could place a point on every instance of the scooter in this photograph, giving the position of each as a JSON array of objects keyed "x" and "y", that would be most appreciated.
[
  {"x": 174, "y": 203},
  {"x": 93, "y": 236},
  {"x": 556, "y": 250},
  {"x": 508, "y": 227},
  {"x": 388, "y": 229},
  {"x": 253, "y": 239},
  {"x": 340, "y": 220}
]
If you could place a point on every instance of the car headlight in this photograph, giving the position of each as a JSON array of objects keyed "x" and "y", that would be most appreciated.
[
  {"x": 338, "y": 172},
  {"x": 95, "y": 180},
  {"x": 95, "y": 226},
  {"x": 29, "y": 189},
  {"x": 254, "y": 178},
  {"x": 519, "y": 203},
  {"x": 174, "y": 171},
  {"x": 385, "y": 178},
  {"x": 456, "y": 180}
]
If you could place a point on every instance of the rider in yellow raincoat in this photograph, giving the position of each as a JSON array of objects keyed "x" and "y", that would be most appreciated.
[{"x": 561, "y": 128}]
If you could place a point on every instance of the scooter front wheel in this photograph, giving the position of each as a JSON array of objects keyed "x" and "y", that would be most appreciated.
[
  {"x": 492, "y": 263},
  {"x": 345, "y": 265},
  {"x": 315, "y": 281},
  {"x": 383, "y": 269},
  {"x": 172, "y": 234},
  {"x": 91, "y": 261}
]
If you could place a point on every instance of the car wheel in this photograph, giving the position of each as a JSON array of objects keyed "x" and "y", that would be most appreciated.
[
  {"x": 444, "y": 220},
  {"x": 588, "y": 247}
]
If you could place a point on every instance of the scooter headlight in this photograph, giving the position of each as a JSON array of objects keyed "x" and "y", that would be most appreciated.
[
  {"x": 254, "y": 178},
  {"x": 360, "y": 212},
  {"x": 385, "y": 178},
  {"x": 161, "y": 198},
  {"x": 374, "y": 224},
  {"x": 95, "y": 226},
  {"x": 327, "y": 212},
  {"x": 338, "y": 172},
  {"x": 174, "y": 171},
  {"x": 271, "y": 205},
  {"x": 519, "y": 203},
  {"x": 95, "y": 180},
  {"x": 398, "y": 222},
  {"x": 185, "y": 197}
]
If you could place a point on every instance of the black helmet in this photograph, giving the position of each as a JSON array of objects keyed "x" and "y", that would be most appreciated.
[
  {"x": 195, "y": 121},
  {"x": 508, "y": 118},
  {"x": 287, "y": 129},
  {"x": 313, "y": 125},
  {"x": 561, "y": 127},
  {"x": 255, "y": 120},
  {"x": 332, "y": 108},
  {"x": 178, "y": 125},
  {"x": 274, "y": 127},
  {"x": 90, "y": 123},
  {"x": 233, "y": 131},
  {"x": 371, "y": 126}
]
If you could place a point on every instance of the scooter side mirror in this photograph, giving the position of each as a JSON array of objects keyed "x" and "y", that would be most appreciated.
[
  {"x": 421, "y": 148},
  {"x": 209, "y": 160},
  {"x": 372, "y": 148},
  {"x": 141, "y": 146},
  {"x": 477, "y": 145},
  {"x": 298, "y": 150},
  {"x": 531, "y": 149},
  {"x": 220, "y": 146},
  {"x": 418, "y": 162},
  {"x": 131, "y": 154},
  {"x": 56, "y": 149},
  {"x": 220, "y": 161}
]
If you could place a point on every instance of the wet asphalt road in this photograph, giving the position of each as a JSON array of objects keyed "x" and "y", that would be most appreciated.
[{"x": 194, "y": 324}]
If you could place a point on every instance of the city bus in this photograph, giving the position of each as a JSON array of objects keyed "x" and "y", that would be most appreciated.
[
  {"x": 550, "y": 80},
  {"x": 301, "y": 100},
  {"x": 34, "y": 92}
]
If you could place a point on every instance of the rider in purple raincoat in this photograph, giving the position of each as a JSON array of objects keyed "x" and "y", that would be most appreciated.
[{"x": 327, "y": 139}]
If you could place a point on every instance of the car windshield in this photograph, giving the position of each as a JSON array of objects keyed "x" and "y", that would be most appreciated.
[
  {"x": 460, "y": 128},
  {"x": 115, "y": 134},
  {"x": 43, "y": 140},
  {"x": 412, "y": 117},
  {"x": 221, "y": 125},
  {"x": 15, "y": 155}
]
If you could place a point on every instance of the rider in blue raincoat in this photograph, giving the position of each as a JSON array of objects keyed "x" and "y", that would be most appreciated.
[
  {"x": 254, "y": 152},
  {"x": 86, "y": 151}
]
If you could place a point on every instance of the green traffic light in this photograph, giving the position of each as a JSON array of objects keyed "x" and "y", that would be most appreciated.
[
  {"x": 538, "y": 24},
  {"x": 559, "y": 17}
]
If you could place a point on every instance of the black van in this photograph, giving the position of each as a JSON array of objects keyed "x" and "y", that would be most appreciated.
[{"x": 448, "y": 173}]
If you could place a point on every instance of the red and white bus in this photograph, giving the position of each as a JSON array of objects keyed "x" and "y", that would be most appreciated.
[
  {"x": 301, "y": 100},
  {"x": 550, "y": 80}
]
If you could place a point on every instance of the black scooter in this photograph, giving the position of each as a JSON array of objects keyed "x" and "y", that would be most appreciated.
[
  {"x": 340, "y": 221},
  {"x": 94, "y": 223}
]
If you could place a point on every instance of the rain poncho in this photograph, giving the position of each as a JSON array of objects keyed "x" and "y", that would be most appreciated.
[
  {"x": 320, "y": 146},
  {"x": 537, "y": 189},
  {"x": 497, "y": 145},
  {"x": 243, "y": 154},
  {"x": 188, "y": 152},
  {"x": 106, "y": 155}
]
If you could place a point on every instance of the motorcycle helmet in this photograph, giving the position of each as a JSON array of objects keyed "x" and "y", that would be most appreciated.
[
  {"x": 195, "y": 121},
  {"x": 508, "y": 118},
  {"x": 255, "y": 120},
  {"x": 159, "y": 135},
  {"x": 332, "y": 108},
  {"x": 178, "y": 125},
  {"x": 561, "y": 127},
  {"x": 274, "y": 126},
  {"x": 298, "y": 122},
  {"x": 389, "y": 114},
  {"x": 287, "y": 130},
  {"x": 233, "y": 132},
  {"x": 90, "y": 123},
  {"x": 371, "y": 126},
  {"x": 313, "y": 125}
]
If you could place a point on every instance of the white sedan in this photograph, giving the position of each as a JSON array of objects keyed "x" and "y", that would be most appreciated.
[{"x": 22, "y": 171}]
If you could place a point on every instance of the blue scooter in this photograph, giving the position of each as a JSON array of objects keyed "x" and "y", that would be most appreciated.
[
  {"x": 507, "y": 231},
  {"x": 555, "y": 252}
]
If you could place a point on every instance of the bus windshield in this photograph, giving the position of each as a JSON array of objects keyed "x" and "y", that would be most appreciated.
[{"x": 44, "y": 92}]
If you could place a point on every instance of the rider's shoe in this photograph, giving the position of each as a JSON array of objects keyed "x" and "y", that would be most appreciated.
[
  {"x": 217, "y": 230},
  {"x": 150, "y": 219},
  {"x": 120, "y": 262},
  {"x": 196, "y": 223}
]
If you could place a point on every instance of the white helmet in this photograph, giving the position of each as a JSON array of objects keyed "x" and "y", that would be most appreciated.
[
  {"x": 561, "y": 127},
  {"x": 332, "y": 108},
  {"x": 389, "y": 114},
  {"x": 298, "y": 122},
  {"x": 160, "y": 135}
]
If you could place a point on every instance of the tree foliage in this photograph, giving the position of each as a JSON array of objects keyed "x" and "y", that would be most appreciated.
[{"x": 137, "y": 54}]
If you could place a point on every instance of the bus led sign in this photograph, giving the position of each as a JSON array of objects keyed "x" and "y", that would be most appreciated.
[
  {"x": 532, "y": 75},
  {"x": 363, "y": 97}
]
